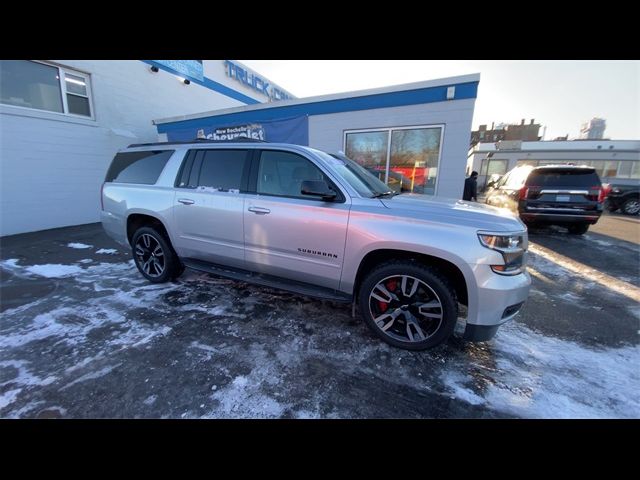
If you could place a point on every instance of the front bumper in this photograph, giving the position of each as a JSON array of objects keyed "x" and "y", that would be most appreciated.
[
  {"x": 499, "y": 299},
  {"x": 558, "y": 218}
]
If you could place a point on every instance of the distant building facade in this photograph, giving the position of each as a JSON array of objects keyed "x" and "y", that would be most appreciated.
[
  {"x": 523, "y": 132},
  {"x": 593, "y": 129},
  {"x": 617, "y": 160}
]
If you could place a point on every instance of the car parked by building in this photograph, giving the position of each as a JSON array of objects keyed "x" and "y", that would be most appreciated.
[
  {"x": 299, "y": 219},
  {"x": 567, "y": 195},
  {"x": 623, "y": 197}
]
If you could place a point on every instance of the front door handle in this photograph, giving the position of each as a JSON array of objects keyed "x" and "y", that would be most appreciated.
[
  {"x": 259, "y": 210},
  {"x": 186, "y": 201}
]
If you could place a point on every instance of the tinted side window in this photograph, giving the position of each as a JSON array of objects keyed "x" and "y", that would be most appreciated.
[
  {"x": 222, "y": 169},
  {"x": 564, "y": 178},
  {"x": 282, "y": 173},
  {"x": 138, "y": 167}
]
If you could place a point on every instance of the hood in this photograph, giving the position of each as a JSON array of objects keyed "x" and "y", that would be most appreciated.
[{"x": 452, "y": 211}]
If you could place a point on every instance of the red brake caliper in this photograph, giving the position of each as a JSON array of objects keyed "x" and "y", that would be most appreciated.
[{"x": 391, "y": 286}]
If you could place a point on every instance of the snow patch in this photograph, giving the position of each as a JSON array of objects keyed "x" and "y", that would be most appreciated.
[
  {"x": 92, "y": 375},
  {"x": 24, "y": 377},
  {"x": 245, "y": 397},
  {"x": 54, "y": 270},
  {"x": 85, "y": 260},
  {"x": 79, "y": 245},
  {"x": 545, "y": 377},
  {"x": 107, "y": 251},
  {"x": 7, "y": 398},
  {"x": 150, "y": 400},
  {"x": 454, "y": 381},
  {"x": 10, "y": 263}
]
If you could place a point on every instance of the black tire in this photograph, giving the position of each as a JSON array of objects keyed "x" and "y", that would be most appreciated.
[
  {"x": 164, "y": 253},
  {"x": 631, "y": 206},
  {"x": 578, "y": 228},
  {"x": 437, "y": 290}
]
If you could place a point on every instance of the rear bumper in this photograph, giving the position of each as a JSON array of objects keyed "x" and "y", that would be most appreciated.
[
  {"x": 500, "y": 298},
  {"x": 114, "y": 227},
  {"x": 560, "y": 218}
]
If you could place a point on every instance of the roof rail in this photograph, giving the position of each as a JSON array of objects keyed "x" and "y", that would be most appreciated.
[{"x": 199, "y": 140}]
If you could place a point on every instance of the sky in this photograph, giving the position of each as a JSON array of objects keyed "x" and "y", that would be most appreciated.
[{"x": 558, "y": 94}]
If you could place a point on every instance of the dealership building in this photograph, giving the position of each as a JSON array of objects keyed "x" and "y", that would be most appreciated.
[{"x": 61, "y": 122}]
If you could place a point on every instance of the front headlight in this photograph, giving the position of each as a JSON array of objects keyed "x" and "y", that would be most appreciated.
[{"x": 511, "y": 246}]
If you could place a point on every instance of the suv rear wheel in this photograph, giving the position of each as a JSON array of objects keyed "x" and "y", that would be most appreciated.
[
  {"x": 631, "y": 206},
  {"x": 408, "y": 305},
  {"x": 154, "y": 256},
  {"x": 578, "y": 228}
]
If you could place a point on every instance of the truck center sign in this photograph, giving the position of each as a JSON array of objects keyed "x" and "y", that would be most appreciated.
[{"x": 253, "y": 81}]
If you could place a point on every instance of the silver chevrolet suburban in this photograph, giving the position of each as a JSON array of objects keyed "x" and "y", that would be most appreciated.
[{"x": 318, "y": 224}]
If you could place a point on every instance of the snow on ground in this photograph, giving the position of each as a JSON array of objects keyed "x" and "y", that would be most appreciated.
[
  {"x": 78, "y": 245},
  {"x": 54, "y": 270},
  {"x": 107, "y": 251},
  {"x": 544, "y": 377},
  {"x": 275, "y": 343}
]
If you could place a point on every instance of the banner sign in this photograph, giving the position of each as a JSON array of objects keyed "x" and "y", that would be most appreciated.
[
  {"x": 254, "y": 131},
  {"x": 191, "y": 68},
  {"x": 291, "y": 130}
]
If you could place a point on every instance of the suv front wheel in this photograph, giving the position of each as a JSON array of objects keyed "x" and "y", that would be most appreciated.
[
  {"x": 408, "y": 305},
  {"x": 154, "y": 256}
]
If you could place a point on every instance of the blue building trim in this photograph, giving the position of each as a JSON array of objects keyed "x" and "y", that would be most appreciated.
[
  {"x": 208, "y": 83},
  {"x": 367, "y": 102}
]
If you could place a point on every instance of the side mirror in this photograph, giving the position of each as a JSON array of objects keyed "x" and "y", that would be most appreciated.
[{"x": 317, "y": 188}]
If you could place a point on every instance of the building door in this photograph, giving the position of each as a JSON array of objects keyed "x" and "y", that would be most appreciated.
[{"x": 289, "y": 234}]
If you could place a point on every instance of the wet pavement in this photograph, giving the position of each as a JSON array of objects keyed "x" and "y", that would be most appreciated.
[{"x": 83, "y": 335}]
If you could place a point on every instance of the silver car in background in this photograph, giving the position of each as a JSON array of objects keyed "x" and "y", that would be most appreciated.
[{"x": 299, "y": 219}]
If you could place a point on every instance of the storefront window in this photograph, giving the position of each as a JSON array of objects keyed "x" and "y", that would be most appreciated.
[
  {"x": 369, "y": 149},
  {"x": 409, "y": 155},
  {"x": 413, "y": 165}
]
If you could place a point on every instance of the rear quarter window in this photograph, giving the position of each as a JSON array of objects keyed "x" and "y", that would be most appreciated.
[
  {"x": 583, "y": 178},
  {"x": 138, "y": 167}
]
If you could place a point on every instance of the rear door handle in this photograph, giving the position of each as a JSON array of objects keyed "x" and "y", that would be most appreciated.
[
  {"x": 259, "y": 210},
  {"x": 186, "y": 201}
]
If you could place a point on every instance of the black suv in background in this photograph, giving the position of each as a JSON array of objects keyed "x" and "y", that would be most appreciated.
[
  {"x": 566, "y": 195},
  {"x": 625, "y": 198}
]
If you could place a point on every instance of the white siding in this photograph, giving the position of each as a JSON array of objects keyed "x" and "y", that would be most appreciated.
[
  {"x": 326, "y": 132},
  {"x": 52, "y": 166}
]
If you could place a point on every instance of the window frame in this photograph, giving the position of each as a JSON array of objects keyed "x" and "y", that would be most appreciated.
[
  {"x": 195, "y": 168},
  {"x": 255, "y": 168},
  {"x": 62, "y": 71},
  {"x": 152, "y": 153},
  {"x": 389, "y": 131}
]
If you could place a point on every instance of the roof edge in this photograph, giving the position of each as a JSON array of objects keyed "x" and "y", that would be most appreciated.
[{"x": 439, "y": 82}]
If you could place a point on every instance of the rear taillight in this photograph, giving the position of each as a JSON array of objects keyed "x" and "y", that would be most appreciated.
[
  {"x": 531, "y": 191},
  {"x": 524, "y": 191},
  {"x": 596, "y": 194},
  {"x": 102, "y": 196}
]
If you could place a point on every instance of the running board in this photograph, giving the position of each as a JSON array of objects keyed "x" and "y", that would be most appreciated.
[{"x": 268, "y": 281}]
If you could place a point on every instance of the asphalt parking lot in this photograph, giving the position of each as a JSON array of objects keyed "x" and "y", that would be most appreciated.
[{"x": 83, "y": 335}]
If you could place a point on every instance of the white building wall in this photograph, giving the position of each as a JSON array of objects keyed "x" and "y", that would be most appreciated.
[
  {"x": 326, "y": 132},
  {"x": 561, "y": 152},
  {"x": 52, "y": 165}
]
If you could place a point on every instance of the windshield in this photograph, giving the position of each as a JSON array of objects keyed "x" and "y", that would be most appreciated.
[{"x": 357, "y": 176}]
